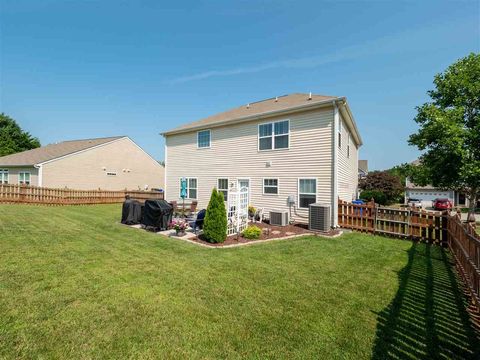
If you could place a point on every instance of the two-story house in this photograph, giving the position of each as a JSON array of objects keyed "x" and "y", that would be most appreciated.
[{"x": 298, "y": 145}]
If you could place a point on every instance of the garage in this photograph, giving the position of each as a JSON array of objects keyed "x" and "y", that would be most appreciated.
[{"x": 427, "y": 196}]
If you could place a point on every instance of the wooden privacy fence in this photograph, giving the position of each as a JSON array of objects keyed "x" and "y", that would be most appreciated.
[
  {"x": 49, "y": 196},
  {"x": 464, "y": 243},
  {"x": 405, "y": 223}
]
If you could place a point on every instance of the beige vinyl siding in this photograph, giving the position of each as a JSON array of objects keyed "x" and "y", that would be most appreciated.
[
  {"x": 84, "y": 170},
  {"x": 234, "y": 154},
  {"x": 14, "y": 171},
  {"x": 347, "y": 167}
]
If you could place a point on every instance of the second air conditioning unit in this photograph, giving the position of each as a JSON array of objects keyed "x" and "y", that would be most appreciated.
[
  {"x": 279, "y": 218},
  {"x": 319, "y": 218}
]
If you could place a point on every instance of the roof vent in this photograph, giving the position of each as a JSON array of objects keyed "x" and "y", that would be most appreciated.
[
  {"x": 248, "y": 106},
  {"x": 276, "y": 98},
  {"x": 310, "y": 96}
]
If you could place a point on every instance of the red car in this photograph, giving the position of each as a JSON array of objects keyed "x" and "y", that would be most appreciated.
[{"x": 442, "y": 204}]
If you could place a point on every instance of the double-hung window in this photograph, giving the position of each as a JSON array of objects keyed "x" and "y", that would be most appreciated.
[
  {"x": 3, "y": 176},
  {"x": 24, "y": 178},
  {"x": 270, "y": 186},
  {"x": 203, "y": 139},
  {"x": 307, "y": 192},
  {"x": 274, "y": 135},
  {"x": 223, "y": 187},
  {"x": 191, "y": 188},
  {"x": 340, "y": 129},
  {"x": 348, "y": 146}
]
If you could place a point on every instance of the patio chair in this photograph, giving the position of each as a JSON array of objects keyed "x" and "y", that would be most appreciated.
[
  {"x": 198, "y": 222},
  {"x": 192, "y": 209}
]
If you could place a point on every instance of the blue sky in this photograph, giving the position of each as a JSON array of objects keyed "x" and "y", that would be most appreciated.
[{"x": 79, "y": 69}]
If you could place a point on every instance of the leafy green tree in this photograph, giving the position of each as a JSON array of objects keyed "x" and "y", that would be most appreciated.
[
  {"x": 13, "y": 139},
  {"x": 383, "y": 182},
  {"x": 449, "y": 131},
  {"x": 215, "y": 223}
]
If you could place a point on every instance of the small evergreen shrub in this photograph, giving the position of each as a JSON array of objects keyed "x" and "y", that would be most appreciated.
[
  {"x": 215, "y": 223},
  {"x": 252, "y": 232}
]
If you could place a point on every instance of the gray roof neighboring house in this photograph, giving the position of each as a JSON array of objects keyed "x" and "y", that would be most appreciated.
[
  {"x": 264, "y": 108},
  {"x": 53, "y": 151}
]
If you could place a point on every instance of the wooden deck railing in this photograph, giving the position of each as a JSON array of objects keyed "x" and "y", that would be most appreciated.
[{"x": 10, "y": 193}]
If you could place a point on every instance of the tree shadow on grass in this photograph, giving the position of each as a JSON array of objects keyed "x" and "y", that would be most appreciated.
[{"x": 427, "y": 319}]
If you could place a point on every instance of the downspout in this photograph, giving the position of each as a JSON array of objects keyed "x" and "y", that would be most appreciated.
[
  {"x": 336, "y": 122},
  {"x": 40, "y": 174},
  {"x": 165, "y": 170}
]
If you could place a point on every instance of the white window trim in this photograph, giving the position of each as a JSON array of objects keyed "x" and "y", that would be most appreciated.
[
  {"x": 210, "y": 142},
  {"x": 218, "y": 188},
  {"x": 273, "y": 135},
  {"x": 5, "y": 174},
  {"x": 29, "y": 177},
  {"x": 298, "y": 190},
  {"x": 263, "y": 186},
  {"x": 188, "y": 187}
]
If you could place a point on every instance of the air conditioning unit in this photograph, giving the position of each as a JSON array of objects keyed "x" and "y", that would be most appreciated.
[
  {"x": 279, "y": 218},
  {"x": 319, "y": 218}
]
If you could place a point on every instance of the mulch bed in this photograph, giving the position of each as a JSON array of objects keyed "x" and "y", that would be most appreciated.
[{"x": 268, "y": 232}]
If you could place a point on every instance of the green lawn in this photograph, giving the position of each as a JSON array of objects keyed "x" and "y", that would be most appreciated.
[{"x": 76, "y": 284}]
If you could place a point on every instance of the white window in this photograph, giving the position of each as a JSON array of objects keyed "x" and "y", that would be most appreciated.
[
  {"x": 223, "y": 187},
  {"x": 3, "y": 176},
  {"x": 340, "y": 129},
  {"x": 24, "y": 178},
  {"x": 191, "y": 188},
  {"x": 203, "y": 139},
  {"x": 348, "y": 146},
  {"x": 270, "y": 186},
  {"x": 307, "y": 192},
  {"x": 274, "y": 135}
]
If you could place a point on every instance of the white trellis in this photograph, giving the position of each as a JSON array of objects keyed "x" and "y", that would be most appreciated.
[{"x": 237, "y": 210}]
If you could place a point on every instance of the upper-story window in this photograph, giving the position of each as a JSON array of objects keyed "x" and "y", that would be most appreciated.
[
  {"x": 203, "y": 139},
  {"x": 348, "y": 146},
  {"x": 3, "y": 176},
  {"x": 340, "y": 129},
  {"x": 274, "y": 135}
]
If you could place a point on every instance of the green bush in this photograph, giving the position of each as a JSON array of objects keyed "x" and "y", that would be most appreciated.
[
  {"x": 215, "y": 223},
  {"x": 252, "y": 232},
  {"x": 378, "y": 196}
]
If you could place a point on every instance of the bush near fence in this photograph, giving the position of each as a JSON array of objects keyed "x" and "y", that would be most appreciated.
[
  {"x": 442, "y": 228},
  {"x": 10, "y": 193}
]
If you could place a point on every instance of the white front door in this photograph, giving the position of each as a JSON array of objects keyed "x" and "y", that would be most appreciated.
[{"x": 244, "y": 183}]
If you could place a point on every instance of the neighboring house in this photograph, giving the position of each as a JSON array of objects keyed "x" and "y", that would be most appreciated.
[
  {"x": 112, "y": 163},
  {"x": 429, "y": 193},
  {"x": 362, "y": 169},
  {"x": 299, "y": 145}
]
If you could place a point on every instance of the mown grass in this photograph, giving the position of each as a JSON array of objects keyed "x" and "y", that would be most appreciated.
[{"x": 76, "y": 284}]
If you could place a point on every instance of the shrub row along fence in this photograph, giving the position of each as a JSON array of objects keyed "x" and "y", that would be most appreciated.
[
  {"x": 50, "y": 196},
  {"x": 435, "y": 227}
]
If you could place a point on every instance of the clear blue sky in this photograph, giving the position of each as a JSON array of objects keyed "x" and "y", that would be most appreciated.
[{"x": 78, "y": 69}]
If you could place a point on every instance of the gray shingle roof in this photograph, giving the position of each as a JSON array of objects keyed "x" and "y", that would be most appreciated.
[
  {"x": 257, "y": 108},
  {"x": 52, "y": 151}
]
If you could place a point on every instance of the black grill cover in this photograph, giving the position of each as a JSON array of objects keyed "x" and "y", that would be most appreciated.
[
  {"x": 131, "y": 212},
  {"x": 157, "y": 214}
]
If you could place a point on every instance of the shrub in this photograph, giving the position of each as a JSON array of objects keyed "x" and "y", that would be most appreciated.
[
  {"x": 215, "y": 223},
  {"x": 377, "y": 195},
  {"x": 252, "y": 232}
]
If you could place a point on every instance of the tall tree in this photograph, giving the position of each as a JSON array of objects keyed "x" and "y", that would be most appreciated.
[
  {"x": 13, "y": 139},
  {"x": 449, "y": 131}
]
